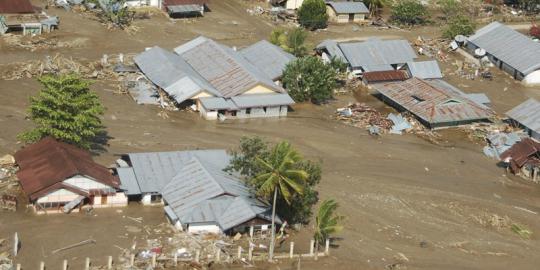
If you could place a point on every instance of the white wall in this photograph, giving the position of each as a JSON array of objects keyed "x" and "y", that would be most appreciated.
[
  {"x": 533, "y": 78},
  {"x": 194, "y": 228},
  {"x": 60, "y": 195},
  {"x": 85, "y": 183},
  {"x": 117, "y": 200},
  {"x": 293, "y": 4},
  {"x": 147, "y": 200}
]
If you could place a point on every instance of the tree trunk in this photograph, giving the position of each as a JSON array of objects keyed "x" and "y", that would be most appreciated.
[{"x": 273, "y": 233}]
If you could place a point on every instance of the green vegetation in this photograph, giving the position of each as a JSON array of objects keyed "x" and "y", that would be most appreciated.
[
  {"x": 327, "y": 222},
  {"x": 115, "y": 12},
  {"x": 450, "y": 8},
  {"x": 375, "y": 6},
  {"x": 459, "y": 25},
  {"x": 521, "y": 231},
  {"x": 409, "y": 12},
  {"x": 312, "y": 14},
  {"x": 67, "y": 110},
  {"x": 292, "y": 41},
  {"x": 309, "y": 79}
]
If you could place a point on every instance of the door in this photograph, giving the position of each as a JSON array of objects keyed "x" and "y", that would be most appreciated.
[
  {"x": 351, "y": 17},
  {"x": 104, "y": 199}
]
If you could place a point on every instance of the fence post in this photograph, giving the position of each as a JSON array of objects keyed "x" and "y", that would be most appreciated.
[
  {"x": 218, "y": 255},
  {"x": 175, "y": 259},
  {"x": 197, "y": 255},
  {"x": 65, "y": 265},
  {"x": 42, "y": 266},
  {"x": 291, "y": 252},
  {"x": 239, "y": 252},
  {"x": 132, "y": 260},
  {"x": 109, "y": 263},
  {"x": 18, "y": 266},
  {"x": 87, "y": 264},
  {"x": 154, "y": 259},
  {"x": 311, "y": 247},
  {"x": 327, "y": 247},
  {"x": 251, "y": 232},
  {"x": 250, "y": 252}
]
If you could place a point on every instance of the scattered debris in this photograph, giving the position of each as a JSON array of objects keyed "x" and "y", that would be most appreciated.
[{"x": 82, "y": 243}]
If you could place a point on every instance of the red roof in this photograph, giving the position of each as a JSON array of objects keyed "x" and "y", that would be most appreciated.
[
  {"x": 385, "y": 76},
  {"x": 183, "y": 2},
  {"x": 47, "y": 163},
  {"x": 16, "y": 7}
]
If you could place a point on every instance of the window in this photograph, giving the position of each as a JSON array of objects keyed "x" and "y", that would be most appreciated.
[{"x": 248, "y": 111}]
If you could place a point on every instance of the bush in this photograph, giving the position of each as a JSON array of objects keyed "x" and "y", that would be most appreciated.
[
  {"x": 459, "y": 25},
  {"x": 409, "y": 12},
  {"x": 67, "y": 110},
  {"x": 449, "y": 8},
  {"x": 292, "y": 41},
  {"x": 309, "y": 79},
  {"x": 312, "y": 14}
]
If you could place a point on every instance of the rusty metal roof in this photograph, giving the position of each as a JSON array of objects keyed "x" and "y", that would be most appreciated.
[
  {"x": 384, "y": 76},
  {"x": 431, "y": 103},
  {"x": 522, "y": 152},
  {"x": 16, "y": 7},
  {"x": 49, "y": 162}
]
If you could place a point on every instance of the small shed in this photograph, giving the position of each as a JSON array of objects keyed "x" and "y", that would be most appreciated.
[
  {"x": 346, "y": 11},
  {"x": 523, "y": 159}
]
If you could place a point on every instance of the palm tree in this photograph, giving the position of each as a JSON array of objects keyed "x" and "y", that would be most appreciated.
[
  {"x": 280, "y": 176},
  {"x": 326, "y": 222}
]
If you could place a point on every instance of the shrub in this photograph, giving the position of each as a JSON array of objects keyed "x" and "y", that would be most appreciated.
[
  {"x": 409, "y": 12},
  {"x": 309, "y": 79},
  {"x": 459, "y": 25},
  {"x": 312, "y": 14}
]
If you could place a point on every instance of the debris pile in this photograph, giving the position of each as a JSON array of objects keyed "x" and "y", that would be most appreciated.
[
  {"x": 431, "y": 48},
  {"x": 34, "y": 43},
  {"x": 5, "y": 256}
]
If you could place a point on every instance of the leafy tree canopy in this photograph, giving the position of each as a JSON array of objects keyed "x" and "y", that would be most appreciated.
[
  {"x": 459, "y": 25},
  {"x": 292, "y": 41},
  {"x": 409, "y": 12},
  {"x": 312, "y": 14},
  {"x": 309, "y": 79}
]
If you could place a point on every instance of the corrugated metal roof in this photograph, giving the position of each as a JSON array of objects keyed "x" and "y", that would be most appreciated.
[
  {"x": 128, "y": 181},
  {"x": 217, "y": 103},
  {"x": 384, "y": 76},
  {"x": 431, "y": 103},
  {"x": 16, "y": 7},
  {"x": 348, "y": 7},
  {"x": 223, "y": 68},
  {"x": 527, "y": 114},
  {"x": 478, "y": 98},
  {"x": 375, "y": 52},
  {"x": 262, "y": 100},
  {"x": 49, "y": 162},
  {"x": 268, "y": 58},
  {"x": 508, "y": 45},
  {"x": 154, "y": 170},
  {"x": 333, "y": 49},
  {"x": 170, "y": 72},
  {"x": 521, "y": 151},
  {"x": 203, "y": 193},
  {"x": 425, "y": 69},
  {"x": 375, "y": 68}
]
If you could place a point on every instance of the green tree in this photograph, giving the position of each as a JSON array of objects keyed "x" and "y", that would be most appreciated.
[
  {"x": 409, "y": 12},
  {"x": 450, "y": 8},
  {"x": 244, "y": 161},
  {"x": 67, "y": 110},
  {"x": 459, "y": 25},
  {"x": 374, "y": 6},
  {"x": 292, "y": 41},
  {"x": 312, "y": 14},
  {"x": 116, "y": 12},
  {"x": 327, "y": 222},
  {"x": 280, "y": 176},
  {"x": 309, "y": 79}
]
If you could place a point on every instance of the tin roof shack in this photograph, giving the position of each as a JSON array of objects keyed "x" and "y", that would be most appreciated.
[
  {"x": 434, "y": 106},
  {"x": 198, "y": 195},
  {"x": 185, "y": 8},
  {"x": 57, "y": 177},
  {"x": 509, "y": 50},
  {"x": 346, "y": 11},
  {"x": 524, "y": 159},
  {"x": 527, "y": 115},
  {"x": 370, "y": 55},
  {"x": 203, "y": 68},
  {"x": 20, "y": 15}
]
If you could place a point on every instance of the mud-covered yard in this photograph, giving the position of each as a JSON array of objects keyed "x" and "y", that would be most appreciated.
[{"x": 410, "y": 204}]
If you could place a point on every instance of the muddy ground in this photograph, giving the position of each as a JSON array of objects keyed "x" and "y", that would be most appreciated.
[{"x": 441, "y": 206}]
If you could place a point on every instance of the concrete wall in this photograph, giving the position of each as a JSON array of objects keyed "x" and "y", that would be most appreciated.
[
  {"x": 117, "y": 200},
  {"x": 343, "y": 18},
  {"x": 147, "y": 200},
  {"x": 60, "y": 195},
  {"x": 208, "y": 114},
  {"x": 198, "y": 228},
  {"x": 293, "y": 4},
  {"x": 533, "y": 78}
]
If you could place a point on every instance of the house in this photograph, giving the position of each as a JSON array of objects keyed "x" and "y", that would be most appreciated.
[
  {"x": 432, "y": 104},
  {"x": 288, "y": 4},
  {"x": 527, "y": 115},
  {"x": 384, "y": 76},
  {"x": 185, "y": 8},
  {"x": 370, "y": 55},
  {"x": 509, "y": 50},
  {"x": 346, "y": 11},
  {"x": 424, "y": 69},
  {"x": 21, "y": 15},
  {"x": 57, "y": 177},
  {"x": 196, "y": 193},
  {"x": 221, "y": 81},
  {"x": 523, "y": 159}
]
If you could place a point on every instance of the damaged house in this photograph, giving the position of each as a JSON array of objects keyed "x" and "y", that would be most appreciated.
[
  {"x": 196, "y": 193},
  {"x": 367, "y": 56},
  {"x": 221, "y": 81},
  {"x": 57, "y": 177},
  {"x": 523, "y": 159},
  {"x": 21, "y": 15},
  {"x": 433, "y": 103},
  {"x": 509, "y": 50},
  {"x": 527, "y": 116}
]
